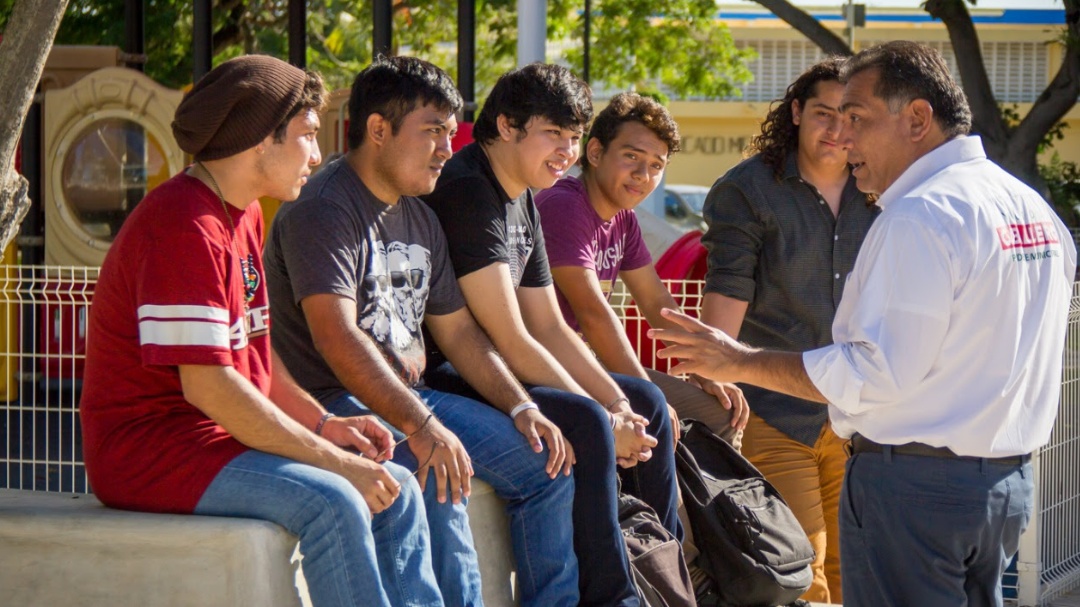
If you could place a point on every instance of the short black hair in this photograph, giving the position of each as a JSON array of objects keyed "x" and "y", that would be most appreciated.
[
  {"x": 394, "y": 86},
  {"x": 908, "y": 71},
  {"x": 536, "y": 90}
]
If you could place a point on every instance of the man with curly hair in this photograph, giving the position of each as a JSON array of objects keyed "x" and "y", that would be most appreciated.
[
  {"x": 593, "y": 238},
  {"x": 785, "y": 226}
]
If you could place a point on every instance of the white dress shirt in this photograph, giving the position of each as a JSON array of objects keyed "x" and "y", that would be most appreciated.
[{"x": 952, "y": 323}]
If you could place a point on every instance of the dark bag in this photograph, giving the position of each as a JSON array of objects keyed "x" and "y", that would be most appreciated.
[
  {"x": 751, "y": 544},
  {"x": 656, "y": 557}
]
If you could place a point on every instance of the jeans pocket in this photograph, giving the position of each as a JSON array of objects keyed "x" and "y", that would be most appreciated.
[{"x": 848, "y": 498}]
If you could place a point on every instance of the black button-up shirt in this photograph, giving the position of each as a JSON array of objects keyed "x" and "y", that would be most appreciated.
[{"x": 775, "y": 244}]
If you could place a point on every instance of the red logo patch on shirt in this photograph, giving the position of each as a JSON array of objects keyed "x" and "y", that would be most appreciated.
[{"x": 1025, "y": 235}]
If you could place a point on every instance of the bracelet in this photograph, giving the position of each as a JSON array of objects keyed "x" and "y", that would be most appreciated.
[
  {"x": 621, "y": 399},
  {"x": 612, "y": 416},
  {"x": 322, "y": 422},
  {"x": 410, "y": 435},
  {"x": 525, "y": 406}
]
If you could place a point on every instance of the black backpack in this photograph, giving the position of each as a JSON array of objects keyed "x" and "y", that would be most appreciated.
[
  {"x": 656, "y": 557},
  {"x": 751, "y": 544}
]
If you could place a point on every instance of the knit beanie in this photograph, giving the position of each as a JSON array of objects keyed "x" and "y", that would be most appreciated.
[{"x": 237, "y": 105}]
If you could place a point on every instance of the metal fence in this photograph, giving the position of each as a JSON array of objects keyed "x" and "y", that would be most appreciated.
[{"x": 43, "y": 316}]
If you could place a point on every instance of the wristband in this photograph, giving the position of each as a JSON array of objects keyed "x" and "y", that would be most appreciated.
[
  {"x": 621, "y": 399},
  {"x": 322, "y": 422},
  {"x": 525, "y": 406}
]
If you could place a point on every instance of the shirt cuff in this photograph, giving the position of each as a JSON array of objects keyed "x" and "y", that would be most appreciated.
[{"x": 832, "y": 373}]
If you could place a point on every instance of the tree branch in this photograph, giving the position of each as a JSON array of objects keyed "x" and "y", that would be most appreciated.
[
  {"x": 25, "y": 46},
  {"x": 808, "y": 26},
  {"x": 986, "y": 115},
  {"x": 28, "y": 37},
  {"x": 1060, "y": 95},
  {"x": 230, "y": 33}
]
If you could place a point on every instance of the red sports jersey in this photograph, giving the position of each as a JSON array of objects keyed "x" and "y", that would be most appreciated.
[{"x": 171, "y": 292}]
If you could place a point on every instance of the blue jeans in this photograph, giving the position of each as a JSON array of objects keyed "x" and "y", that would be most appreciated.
[
  {"x": 536, "y": 505},
  {"x": 929, "y": 531},
  {"x": 605, "y": 577},
  {"x": 350, "y": 557}
]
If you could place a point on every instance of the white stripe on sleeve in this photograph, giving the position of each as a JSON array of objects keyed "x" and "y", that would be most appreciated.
[
  {"x": 193, "y": 312},
  {"x": 183, "y": 333}
]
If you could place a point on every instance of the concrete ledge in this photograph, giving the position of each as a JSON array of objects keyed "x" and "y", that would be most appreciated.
[
  {"x": 63, "y": 549},
  {"x": 491, "y": 534}
]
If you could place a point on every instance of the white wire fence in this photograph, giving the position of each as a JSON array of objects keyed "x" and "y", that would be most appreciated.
[{"x": 43, "y": 316}]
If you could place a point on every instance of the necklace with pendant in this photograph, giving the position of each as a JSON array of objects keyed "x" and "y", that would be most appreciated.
[{"x": 247, "y": 265}]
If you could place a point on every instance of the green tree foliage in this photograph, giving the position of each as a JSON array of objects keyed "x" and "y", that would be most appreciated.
[
  {"x": 676, "y": 45},
  {"x": 1063, "y": 180},
  {"x": 167, "y": 27}
]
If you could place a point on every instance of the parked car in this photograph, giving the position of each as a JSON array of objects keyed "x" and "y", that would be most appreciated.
[{"x": 683, "y": 204}]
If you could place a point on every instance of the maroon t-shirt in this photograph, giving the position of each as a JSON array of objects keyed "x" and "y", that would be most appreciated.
[
  {"x": 576, "y": 236},
  {"x": 171, "y": 292}
]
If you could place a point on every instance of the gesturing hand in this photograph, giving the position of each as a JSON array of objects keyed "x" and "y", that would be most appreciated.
[
  {"x": 534, "y": 426},
  {"x": 701, "y": 349}
]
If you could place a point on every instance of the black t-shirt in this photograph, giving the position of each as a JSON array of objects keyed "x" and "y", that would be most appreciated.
[{"x": 483, "y": 225}]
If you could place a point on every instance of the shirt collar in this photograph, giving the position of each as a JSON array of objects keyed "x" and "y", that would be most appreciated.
[
  {"x": 954, "y": 151},
  {"x": 791, "y": 166}
]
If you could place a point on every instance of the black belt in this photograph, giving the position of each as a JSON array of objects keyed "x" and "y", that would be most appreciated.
[{"x": 861, "y": 444}]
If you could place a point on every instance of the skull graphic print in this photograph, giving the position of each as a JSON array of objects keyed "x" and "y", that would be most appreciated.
[{"x": 393, "y": 297}]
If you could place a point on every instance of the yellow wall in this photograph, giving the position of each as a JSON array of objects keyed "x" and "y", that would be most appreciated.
[{"x": 714, "y": 135}]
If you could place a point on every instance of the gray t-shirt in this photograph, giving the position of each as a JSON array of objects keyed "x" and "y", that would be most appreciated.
[{"x": 338, "y": 238}]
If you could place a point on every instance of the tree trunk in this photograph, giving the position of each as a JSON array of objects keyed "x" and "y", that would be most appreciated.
[
  {"x": 27, "y": 39},
  {"x": 986, "y": 115},
  {"x": 808, "y": 26}
]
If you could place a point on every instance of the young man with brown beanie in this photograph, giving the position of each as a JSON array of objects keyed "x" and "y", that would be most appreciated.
[{"x": 179, "y": 411}]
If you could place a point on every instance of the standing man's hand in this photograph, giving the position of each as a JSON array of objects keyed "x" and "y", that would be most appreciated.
[
  {"x": 534, "y": 426},
  {"x": 378, "y": 487},
  {"x": 701, "y": 349},
  {"x": 363, "y": 433},
  {"x": 437, "y": 448}
]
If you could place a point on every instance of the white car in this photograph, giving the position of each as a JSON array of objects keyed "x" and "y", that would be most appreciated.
[{"x": 684, "y": 204}]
